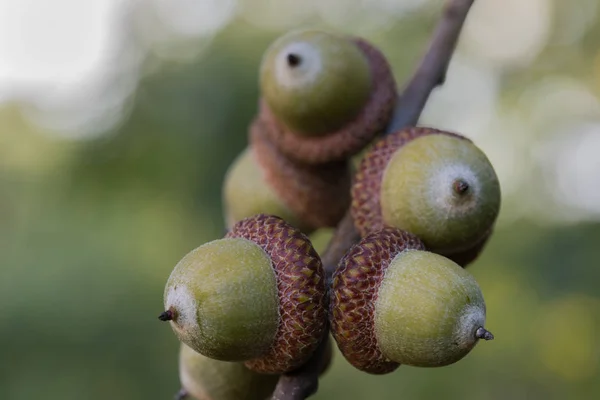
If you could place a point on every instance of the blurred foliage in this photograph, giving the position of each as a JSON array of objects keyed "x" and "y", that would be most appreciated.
[{"x": 90, "y": 230}]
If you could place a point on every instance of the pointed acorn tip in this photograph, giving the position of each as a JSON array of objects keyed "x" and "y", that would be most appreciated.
[
  {"x": 182, "y": 394},
  {"x": 166, "y": 315},
  {"x": 482, "y": 333}
]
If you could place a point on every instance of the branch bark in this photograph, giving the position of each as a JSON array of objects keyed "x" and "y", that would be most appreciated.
[{"x": 430, "y": 73}]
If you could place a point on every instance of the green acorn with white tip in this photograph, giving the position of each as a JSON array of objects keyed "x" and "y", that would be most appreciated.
[
  {"x": 394, "y": 303},
  {"x": 435, "y": 184},
  {"x": 314, "y": 81},
  {"x": 258, "y": 296},
  {"x": 325, "y": 96}
]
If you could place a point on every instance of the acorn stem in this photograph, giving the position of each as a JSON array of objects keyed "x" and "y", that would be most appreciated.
[
  {"x": 293, "y": 60},
  {"x": 168, "y": 315},
  {"x": 482, "y": 333},
  {"x": 182, "y": 394}
]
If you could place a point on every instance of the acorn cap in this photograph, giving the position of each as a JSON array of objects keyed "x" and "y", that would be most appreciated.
[
  {"x": 467, "y": 256},
  {"x": 246, "y": 193},
  {"x": 354, "y": 293},
  {"x": 301, "y": 292},
  {"x": 208, "y": 379},
  {"x": 318, "y": 195},
  {"x": 349, "y": 139}
]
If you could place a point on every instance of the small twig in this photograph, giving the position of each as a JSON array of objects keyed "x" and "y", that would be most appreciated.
[
  {"x": 431, "y": 73},
  {"x": 304, "y": 381},
  {"x": 434, "y": 65},
  {"x": 345, "y": 236}
]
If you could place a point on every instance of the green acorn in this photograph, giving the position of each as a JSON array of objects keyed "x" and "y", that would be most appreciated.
[
  {"x": 207, "y": 379},
  {"x": 393, "y": 303},
  {"x": 314, "y": 81},
  {"x": 318, "y": 195},
  {"x": 325, "y": 96},
  {"x": 434, "y": 184},
  {"x": 257, "y": 296},
  {"x": 248, "y": 192}
]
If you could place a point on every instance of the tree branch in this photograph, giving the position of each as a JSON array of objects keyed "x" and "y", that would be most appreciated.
[
  {"x": 431, "y": 73},
  {"x": 434, "y": 65}
]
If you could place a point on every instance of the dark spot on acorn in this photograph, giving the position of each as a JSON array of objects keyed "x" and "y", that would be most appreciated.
[
  {"x": 482, "y": 333},
  {"x": 168, "y": 315},
  {"x": 293, "y": 60},
  {"x": 460, "y": 187}
]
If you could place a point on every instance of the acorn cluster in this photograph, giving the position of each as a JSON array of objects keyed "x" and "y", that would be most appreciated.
[{"x": 257, "y": 303}]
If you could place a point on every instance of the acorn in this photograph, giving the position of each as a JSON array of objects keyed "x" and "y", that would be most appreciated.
[
  {"x": 325, "y": 95},
  {"x": 258, "y": 295},
  {"x": 207, "y": 379},
  {"x": 394, "y": 303},
  {"x": 247, "y": 192},
  {"x": 318, "y": 195},
  {"x": 437, "y": 185}
]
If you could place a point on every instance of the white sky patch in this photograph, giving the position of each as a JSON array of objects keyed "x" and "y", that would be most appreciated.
[
  {"x": 556, "y": 98},
  {"x": 63, "y": 59},
  {"x": 52, "y": 42},
  {"x": 573, "y": 161},
  {"x": 194, "y": 17},
  {"x": 467, "y": 100},
  {"x": 508, "y": 32},
  {"x": 277, "y": 14},
  {"x": 365, "y": 15}
]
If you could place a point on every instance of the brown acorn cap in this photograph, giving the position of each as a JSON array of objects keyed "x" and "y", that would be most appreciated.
[
  {"x": 354, "y": 135},
  {"x": 354, "y": 293},
  {"x": 366, "y": 189},
  {"x": 467, "y": 256},
  {"x": 327, "y": 358},
  {"x": 301, "y": 291},
  {"x": 318, "y": 194}
]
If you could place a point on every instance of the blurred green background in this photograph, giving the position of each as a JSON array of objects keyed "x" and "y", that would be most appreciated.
[{"x": 118, "y": 120}]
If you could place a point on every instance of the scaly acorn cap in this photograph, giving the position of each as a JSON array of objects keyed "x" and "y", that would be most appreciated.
[
  {"x": 354, "y": 293},
  {"x": 467, "y": 256},
  {"x": 393, "y": 303},
  {"x": 435, "y": 184},
  {"x": 258, "y": 296},
  {"x": 246, "y": 192},
  {"x": 356, "y": 133},
  {"x": 207, "y": 379},
  {"x": 301, "y": 291},
  {"x": 318, "y": 195}
]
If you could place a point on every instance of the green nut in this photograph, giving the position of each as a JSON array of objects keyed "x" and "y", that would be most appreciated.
[
  {"x": 223, "y": 300},
  {"x": 246, "y": 192},
  {"x": 429, "y": 310},
  {"x": 208, "y": 379},
  {"x": 442, "y": 189},
  {"x": 314, "y": 81}
]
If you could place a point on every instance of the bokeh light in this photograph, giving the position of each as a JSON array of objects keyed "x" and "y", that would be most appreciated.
[{"x": 119, "y": 118}]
